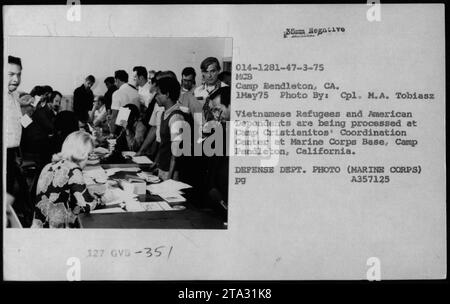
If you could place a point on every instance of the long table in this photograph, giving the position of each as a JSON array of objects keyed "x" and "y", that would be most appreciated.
[{"x": 190, "y": 218}]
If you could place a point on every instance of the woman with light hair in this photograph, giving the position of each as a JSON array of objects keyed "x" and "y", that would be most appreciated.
[{"x": 61, "y": 191}]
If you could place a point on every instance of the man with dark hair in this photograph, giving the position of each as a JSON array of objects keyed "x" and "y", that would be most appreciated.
[
  {"x": 83, "y": 99},
  {"x": 187, "y": 79},
  {"x": 124, "y": 95},
  {"x": 47, "y": 89},
  {"x": 141, "y": 81},
  {"x": 91, "y": 78},
  {"x": 167, "y": 94},
  {"x": 210, "y": 68},
  {"x": 111, "y": 88},
  {"x": 15, "y": 182}
]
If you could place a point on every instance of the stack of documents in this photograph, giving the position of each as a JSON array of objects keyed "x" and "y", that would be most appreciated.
[
  {"x": 143, "y": 160},
  {"x": 94, "y": 175},
  {"x": 169, "y": 190}
]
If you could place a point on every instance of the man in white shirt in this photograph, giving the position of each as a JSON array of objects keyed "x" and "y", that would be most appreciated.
[
  {"x": 125, "y": 94},
  {"x": 13, "y": 126},
  {"x": 153, "y": 138},
  {"x": 210, "y": 68},
  {"x": 141, "y": 81}
]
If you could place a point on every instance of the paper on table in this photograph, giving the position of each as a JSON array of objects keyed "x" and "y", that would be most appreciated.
[
  {"x": 141, "y": 160},
  {"x": 113, "y": 171},
  {"x": 156, "y": 206},
  {"x": 109, "y": 210},
  {"x": 133, "y": 205},
  {"x": 152, "y": 206},
  {"x": 165, "y": 206},
  {"x": 169, "y": 185},
  {"x": 122, "y": 115}
]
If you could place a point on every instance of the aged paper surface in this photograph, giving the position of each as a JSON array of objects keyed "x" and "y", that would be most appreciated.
[{"x": 359, "y": 202}]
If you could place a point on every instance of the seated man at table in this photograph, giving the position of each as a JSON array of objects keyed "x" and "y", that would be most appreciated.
[{"x": 167, "y": 94}]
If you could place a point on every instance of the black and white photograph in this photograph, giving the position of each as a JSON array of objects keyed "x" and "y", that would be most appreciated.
[
  {"x": 224, "y": 142},
  {"x": 101, "y": 122}
]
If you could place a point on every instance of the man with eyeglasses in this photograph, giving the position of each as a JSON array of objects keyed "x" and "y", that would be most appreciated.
[{"x": 189, "y": 103}]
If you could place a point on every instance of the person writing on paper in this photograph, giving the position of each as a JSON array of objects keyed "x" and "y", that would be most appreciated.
[
  {"x": 61, "y": 191},
  {"x": 133, "y": 134},
  {"x": 167, "y": 94},
  {"x": 98, "y": 113},
  {"x": 124, "y": 95}
]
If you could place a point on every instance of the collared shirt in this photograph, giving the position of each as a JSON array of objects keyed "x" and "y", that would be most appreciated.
[
  {"x": 126, "y": 94},
  {"x": 13, "y": 116},
  {"x": 188, "y": 102},
  {"x": 144, "y": 94},
  {"x": 155, "y": 119},
  {"x": 158, "y": 122},
  {"x": 203, "y": 91}
]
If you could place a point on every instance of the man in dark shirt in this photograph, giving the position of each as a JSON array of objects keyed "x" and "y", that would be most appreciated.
[
  {"x": 109, "y": 82},
  {"x": 83, "y": 99}
]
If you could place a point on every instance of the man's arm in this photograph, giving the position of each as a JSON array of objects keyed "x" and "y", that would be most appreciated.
[
  {"x": 115, "y": 105},
  {"x": 112, "y": 123},
  {"x": 172, "y": 166},
  {"x": 151, "y": 136}
]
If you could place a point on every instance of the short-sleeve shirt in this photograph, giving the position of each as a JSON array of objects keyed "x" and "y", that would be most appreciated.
[
  {"x": 126, "y": 94},
  {"x": 203, "y": 91},
  {"x": 144, "y": 95},
  {"x": 156, "y": 117}
]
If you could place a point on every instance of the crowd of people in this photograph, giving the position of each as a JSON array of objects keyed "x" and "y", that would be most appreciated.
[{"x": 167, "y": 121}]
